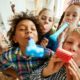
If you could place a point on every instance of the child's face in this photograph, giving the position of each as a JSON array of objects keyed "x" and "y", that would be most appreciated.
[
  {"x": 72, "y": 14},
  {"x": 46, "y": 19},
  {"x": 24, "y": 30},
  {"x": 72, "y": 44}
]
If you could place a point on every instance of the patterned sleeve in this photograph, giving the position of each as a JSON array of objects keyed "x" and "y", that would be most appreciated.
[
  {"x": 4, "y": 62},
  {"x": 60, "y": 75},
  {"x": 37, "y": 74}
]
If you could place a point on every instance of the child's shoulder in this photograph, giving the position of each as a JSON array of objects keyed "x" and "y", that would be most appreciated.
[
  {"x": 10, "y": 50},
  {"x": 9, "y": 54}
]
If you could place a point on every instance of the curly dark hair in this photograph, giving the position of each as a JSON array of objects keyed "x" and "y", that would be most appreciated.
[{"x": 18, "y": 18}]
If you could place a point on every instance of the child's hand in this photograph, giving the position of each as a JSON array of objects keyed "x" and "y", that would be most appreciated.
[
  {"x": 53, "y": 66},
  {"x": 73, "y": 72},
  {"x": 11, "y": 72},
  {"x": 44, "y": 42}
]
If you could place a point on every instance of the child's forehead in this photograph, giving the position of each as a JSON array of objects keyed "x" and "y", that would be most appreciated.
[
  {"x": 73, "y": 8},
  {"x": 25, "y": 22},
  {"x": 74, "y": 33},
  {"x": 47, "y": 13}
]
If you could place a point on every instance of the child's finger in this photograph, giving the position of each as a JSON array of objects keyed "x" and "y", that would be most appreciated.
[
  {"x": 74, "y": 75},
  {"x": 54, "y": 64},
  {"x": 74, "y": 67},
  {"x": 73, "y": 64}
]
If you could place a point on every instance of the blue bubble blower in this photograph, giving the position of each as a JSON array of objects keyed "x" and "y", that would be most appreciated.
[
  {"x": 34, "y": 50},
  {"x": 54, "y": 37}
]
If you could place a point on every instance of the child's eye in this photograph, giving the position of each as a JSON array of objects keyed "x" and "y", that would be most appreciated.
[
  {"x": 67, "y": 15},
  {"x": 43, "y": 18},
  {"x": 69, "y": 42},
  {"x": 50, "y": 20},
  {"x": 33, "y": 29},
  {"x": 74, "y": 15},
  {"x": 21, "y": 29}
]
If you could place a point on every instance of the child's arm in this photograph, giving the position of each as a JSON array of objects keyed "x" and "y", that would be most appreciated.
[
  {"x": 11, "y": 72},
  {"x": 4, "y": 62},
  {"x": 56, "y": 62},
  {"x": 5, "y": 66},
  {"x": 53, "y": 66}
]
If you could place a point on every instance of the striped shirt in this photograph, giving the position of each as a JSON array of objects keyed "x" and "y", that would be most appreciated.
[{"x": 60, "y": 75}]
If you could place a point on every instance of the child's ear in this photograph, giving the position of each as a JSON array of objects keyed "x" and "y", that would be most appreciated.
[{"x": 14, "y": 39}]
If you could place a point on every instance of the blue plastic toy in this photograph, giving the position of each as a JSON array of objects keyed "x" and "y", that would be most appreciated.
[
  {"x": 54, "y": 37},
  {"x": 34, "y": 50}
]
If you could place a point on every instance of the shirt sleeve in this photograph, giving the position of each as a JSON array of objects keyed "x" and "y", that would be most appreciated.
[
  {"x": 37, "y": 74},
  {"x": 4, "y": 61}
]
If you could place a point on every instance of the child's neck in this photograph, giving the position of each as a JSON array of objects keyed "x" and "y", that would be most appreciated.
[{"x": 23, "y": 49}]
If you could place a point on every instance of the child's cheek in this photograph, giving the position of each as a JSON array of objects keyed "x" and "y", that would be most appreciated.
[
  {"x": 77, "y": 59},
  {"x": 76, "y": 56}
]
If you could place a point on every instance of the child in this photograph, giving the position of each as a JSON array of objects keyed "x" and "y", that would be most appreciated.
[
  {"x": 23, "y": 27},
  {"x": 70, "y": 70},
  {"x": 45, "y": 16},
  {"x": 71, "y": 14},
  {"x": 46, "y": 20}
]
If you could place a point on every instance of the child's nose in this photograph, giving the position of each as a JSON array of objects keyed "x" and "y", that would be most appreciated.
[
  {"x": 74, "y": 48},
  {"x": 70, "y": 17},
  {"x": 28, "y": 31},
  {"x": 46, "y": 21}
]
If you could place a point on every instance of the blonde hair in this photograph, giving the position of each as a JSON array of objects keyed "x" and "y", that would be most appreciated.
[
  {"x": 77, "y": 30},
  {"x": 76, "y": 4}
]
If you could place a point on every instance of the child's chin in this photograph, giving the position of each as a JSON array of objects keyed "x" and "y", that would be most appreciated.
[{"x": 44, "y": 32}]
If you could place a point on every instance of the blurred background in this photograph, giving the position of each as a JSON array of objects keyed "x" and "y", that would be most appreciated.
[{"x": 10, "y": 7}]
